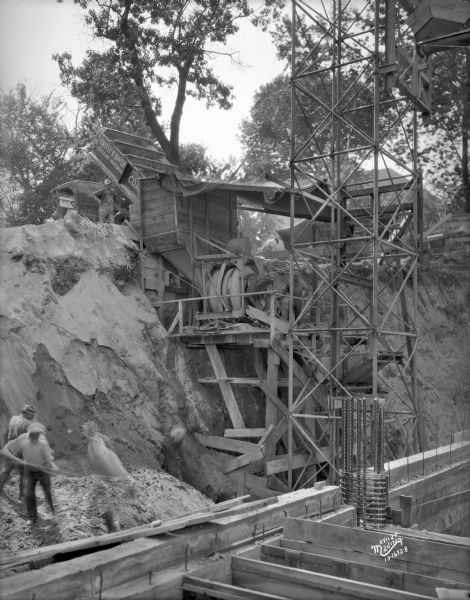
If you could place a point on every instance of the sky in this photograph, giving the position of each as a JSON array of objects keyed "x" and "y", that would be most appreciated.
[{"x": 32, "y": 30}]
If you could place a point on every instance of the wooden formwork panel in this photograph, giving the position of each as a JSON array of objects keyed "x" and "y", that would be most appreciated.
[{"x": 430, "y": 558}]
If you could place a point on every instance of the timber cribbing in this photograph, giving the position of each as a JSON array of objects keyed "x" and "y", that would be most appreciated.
[{"x": 242, "y": 543}]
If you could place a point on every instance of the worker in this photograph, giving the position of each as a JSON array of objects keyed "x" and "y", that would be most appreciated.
[
  {"x": 18, "y": 426},
  {"x": 106, "y": 198},
  {"x": 39, "y": 459},
  {"x": 173, "y": 451},
  {"x": 20, "y": 423},
  {"x": 105, "y": 462}
]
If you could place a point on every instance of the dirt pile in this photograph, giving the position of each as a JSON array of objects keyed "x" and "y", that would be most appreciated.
[
  {"x": 80, "y": 342},
  {"x": 79, "y": 502}
]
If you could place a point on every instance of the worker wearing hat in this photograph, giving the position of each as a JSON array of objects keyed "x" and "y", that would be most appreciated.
[
  {"x": 20, "y": 423},
  {"x": 39, "y": 462},
  {"x": 18, "y": 426}
]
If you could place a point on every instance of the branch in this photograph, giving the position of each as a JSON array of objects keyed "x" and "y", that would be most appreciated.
[{"x": 138, "y": 77}]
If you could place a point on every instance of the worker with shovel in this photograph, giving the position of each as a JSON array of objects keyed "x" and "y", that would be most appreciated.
[
  {"x": 32, "y": 450},
  {"x": 113, "y": 475},
  {"x": 18, "y": 425}
]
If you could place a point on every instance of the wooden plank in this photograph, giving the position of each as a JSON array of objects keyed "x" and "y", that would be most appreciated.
[
  {"x": 215, "y": 589},
  {"x": 244, "y": 433},
  {"x": 427, "y": 558},
  {"x": 413, "y": 466},
  {"x": 276, "y": 484},
  {"x": 305, "y": 558},
  {"x": 227, "y": 393},
  {"x": 257, "y": 486},
  {"x": 284, "y": 356},
  {"x": 271, "y": 411},
  {"x": 237, "y": 380},
  {"x": 280, "y": 463},
  {"x": 115, "y": 568},
  {"x": 244, "y": 459},
  {"x": 272, "y": 397},
  {"x": 342, "y": 516},
  {"x": 431, "y": 536},
  {"x": 305, "y": 585},
  {"x": 432, "y": 508},
  {"x": 148, "y": 530},
  {"x": 461, "y": 436},
  {"x": 259, "y": 315},
  {"x": 266, "y": 434},
  {"x": 223, "y": 443}
]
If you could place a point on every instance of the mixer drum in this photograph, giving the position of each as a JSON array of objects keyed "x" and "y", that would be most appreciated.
[{"x": 226, "y": 282}]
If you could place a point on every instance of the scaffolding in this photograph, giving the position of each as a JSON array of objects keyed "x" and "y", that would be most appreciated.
[{"x": 356, "y": 90}]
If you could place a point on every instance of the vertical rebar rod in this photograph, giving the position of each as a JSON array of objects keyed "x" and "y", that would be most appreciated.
[
  {"x": 451, "y": 434},
  {"x": 418, "y": 431},
  {"x": 381, "y": 433},
  {"x": 290, "y": 399},
  {"x": 463, "y": 429},
  {"x": 364, "y": 457},
  {"x": 360, "y": 516}
]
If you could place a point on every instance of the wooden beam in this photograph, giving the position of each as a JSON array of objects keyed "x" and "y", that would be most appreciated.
[
  {"x": 272, "y": 397},
  {"x": 284, "y": 356},
  {"x": 259, "y": 315},
  {"x": 281, "y": 463},
  {"x": 224, "y": 591},
  {"x": 461, "y": 436},
  {"x": 425, "y": 462},
  {"x": 272, "y": 413},
  {"x": 137, "y": 558},
  {"x": 255, "y": 486},
  {"x": 223, "y": 443},
  {"x": 300, "y": 555},
  {"x": 227, "y": 393},
  {"x": 244, "y": 459},
  {"x": 236, "y": 380},
  {"x": 266, "y": 434},
  {"x": 244, "y": 433},
  {"x": 305, "y": 585},
  {"x": 432, "y": 536},
  {"x": 426, "y": 558}
]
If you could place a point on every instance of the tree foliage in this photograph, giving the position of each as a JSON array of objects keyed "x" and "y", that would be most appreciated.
[
  {"x": 34, "y": 154},
  {"x": 445, "y": 148},
  {"x": 154, "y": 44},
  {"x": 443, "y": 145},
  {"x": 266, "y": 134}
]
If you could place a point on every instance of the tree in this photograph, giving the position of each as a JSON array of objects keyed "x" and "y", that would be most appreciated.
[
  {"x": 443, "y": 145},
  {"x": 34, "y": 154},
  {"x": 447, "y": 159},
  {"x": 266, "y": 134},
  {"x": 195, "y": 161},
  {"x": 158, "y": 43}
]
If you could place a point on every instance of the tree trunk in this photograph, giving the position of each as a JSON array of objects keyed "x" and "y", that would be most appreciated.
[
  {"x": 169, "y": 146},
  {"x": 465, "y": 133}
]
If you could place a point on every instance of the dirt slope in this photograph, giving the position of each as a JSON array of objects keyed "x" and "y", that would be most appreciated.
[{"x": 80, "y": 342}]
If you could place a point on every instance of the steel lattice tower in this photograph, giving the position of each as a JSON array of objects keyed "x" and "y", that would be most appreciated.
[{"x": 356, "y": 93}]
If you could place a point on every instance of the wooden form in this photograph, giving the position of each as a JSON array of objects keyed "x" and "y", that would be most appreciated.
[
  {"x": 140, "y": 559},
  {"x": 315, "y": 559},
  {"x": 154, "y": 566},
  {"x": 438, "y": 501},
  {"x": 250, "y": 577},
  {"x": 346, "y": 564},
  {"x": 276, "y": 420},
  {"x": 433, "y": 559}
]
